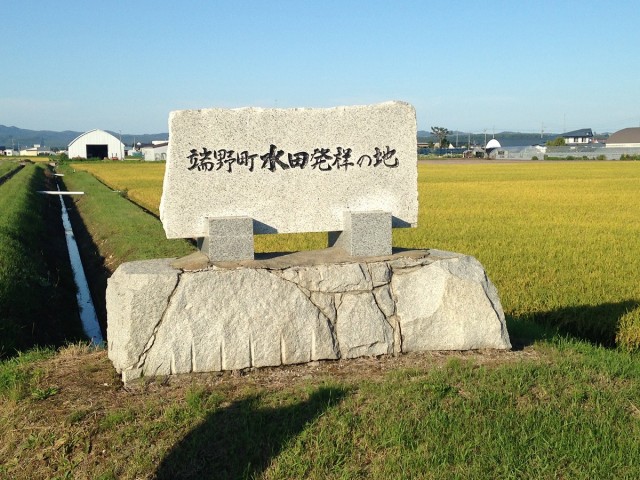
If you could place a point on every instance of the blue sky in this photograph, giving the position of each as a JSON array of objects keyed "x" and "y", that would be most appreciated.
[{"x": 464, "y": 65}]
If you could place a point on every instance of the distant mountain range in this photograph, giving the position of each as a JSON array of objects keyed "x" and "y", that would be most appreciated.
[
  {"x": 21, "y": 137},
  {"x": 14, "y": 136}
]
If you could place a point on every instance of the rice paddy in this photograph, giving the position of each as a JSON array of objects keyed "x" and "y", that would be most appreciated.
[{"x": 559, "y": 239}]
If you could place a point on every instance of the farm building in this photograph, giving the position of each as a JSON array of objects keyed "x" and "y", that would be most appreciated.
[
  {"x": 34, "y": 151},
  {"x": 627, "y": 137},
  {"x": 96, "y": 144},
  {"x": 155, "y": 152}
]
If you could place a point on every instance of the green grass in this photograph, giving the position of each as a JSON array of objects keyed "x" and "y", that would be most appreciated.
[
  {"x": 19, "y": 376},
  {"x": 572, "y": 410},
  {"x": 37, "y": 302},
  {"x": 120, "y": 230},
  {"x": 7, "y": 166},
  {"x": 525, "y": 420}
]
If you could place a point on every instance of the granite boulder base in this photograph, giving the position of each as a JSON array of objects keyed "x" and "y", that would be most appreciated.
[{"x": 166, "y": 317}]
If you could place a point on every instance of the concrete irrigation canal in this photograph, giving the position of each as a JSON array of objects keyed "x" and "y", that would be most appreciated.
[{"x": 88, "y": 315}]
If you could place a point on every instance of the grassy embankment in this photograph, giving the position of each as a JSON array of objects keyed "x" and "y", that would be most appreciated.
[
  {"x": 561, "y": 408},
  {"x": 121, "y": 231},
  {"x": 36, "y": 293},
  {"x": 7, "y": 166},
  {"x": 142, "y": 183}
]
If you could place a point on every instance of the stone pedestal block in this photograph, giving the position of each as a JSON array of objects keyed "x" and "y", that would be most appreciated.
[
  {"x": 230, "y": 239},
  {"x": 365, "y": 234},
  {"x": 165, "y": 317}
]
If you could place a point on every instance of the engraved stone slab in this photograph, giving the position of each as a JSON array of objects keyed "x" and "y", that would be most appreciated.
[{"x": 290, "y": 170}]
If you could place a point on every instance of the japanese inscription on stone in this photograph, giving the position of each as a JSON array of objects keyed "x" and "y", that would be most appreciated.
[
  {"x": 322, "y": 159},
  {"x": 290, "y": 170}
]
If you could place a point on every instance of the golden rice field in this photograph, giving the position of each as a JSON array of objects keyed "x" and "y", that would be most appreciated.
[
  {"x": 142, "y": 182},
  {"x": 559, "y": 239}
]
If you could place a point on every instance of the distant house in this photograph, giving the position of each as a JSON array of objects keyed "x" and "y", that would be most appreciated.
[
  {"x": 578, "y": 137},
  {"x": 35, "y": 151},
  {"x": 157, "y": 151},
  {"x": 627, "y": 137}
]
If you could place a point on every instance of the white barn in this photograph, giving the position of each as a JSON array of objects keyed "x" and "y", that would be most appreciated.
[
  {"x": 96, "y": 144},
  {"x": 157, "y": 151}
]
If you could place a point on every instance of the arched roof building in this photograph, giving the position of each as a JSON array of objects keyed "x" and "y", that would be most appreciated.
[
  {"x": 492, "y": 145},
  {"x": 627, "y": 137},
  {"x": 96, "y": 144}
]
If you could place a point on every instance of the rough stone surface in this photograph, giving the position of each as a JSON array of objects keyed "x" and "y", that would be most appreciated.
[
  {"x": 137, "y": 297},
  {"x": 365, "y": 234},
  {"x": 380, "y": 273},
  {"x": 362, "y": 329},
  {"x": 449, "y": 304},
  {"x": 360, "y": 158},
  {"x": 384, "y": 300},
  {"x": 164, "y": 320},
  {"x": 330, "y": 278}
]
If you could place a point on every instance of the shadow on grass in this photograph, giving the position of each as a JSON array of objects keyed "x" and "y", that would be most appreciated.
[
  {"x": 240, "y": 440},
  {"x": 596, "y": 324}
]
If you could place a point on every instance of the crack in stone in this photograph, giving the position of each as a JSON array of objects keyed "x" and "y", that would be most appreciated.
[
  {"x": 376, "y": 291},
  {"x": 406, "y": 270},
  {"x": 193, "y": 357},
  {"x": 397, "y": 336},
  {"x": 386, "y": 319},
  {"x": 337, "y": 302},
  {"x": 388, "y": 269},
  {"x": 366, "y": 273},
  {"x": 346, "y": 288},
  {"x": 142, "y": 358},
  {"x": 375, "y": 300},
  {"x": 307, "y": 294},
  {"x": 397, "y": 331}
]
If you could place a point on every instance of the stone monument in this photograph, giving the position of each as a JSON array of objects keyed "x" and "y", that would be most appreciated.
[
  {"x": 350, "y": 171},
  {"x": 347, "y": 170}
]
